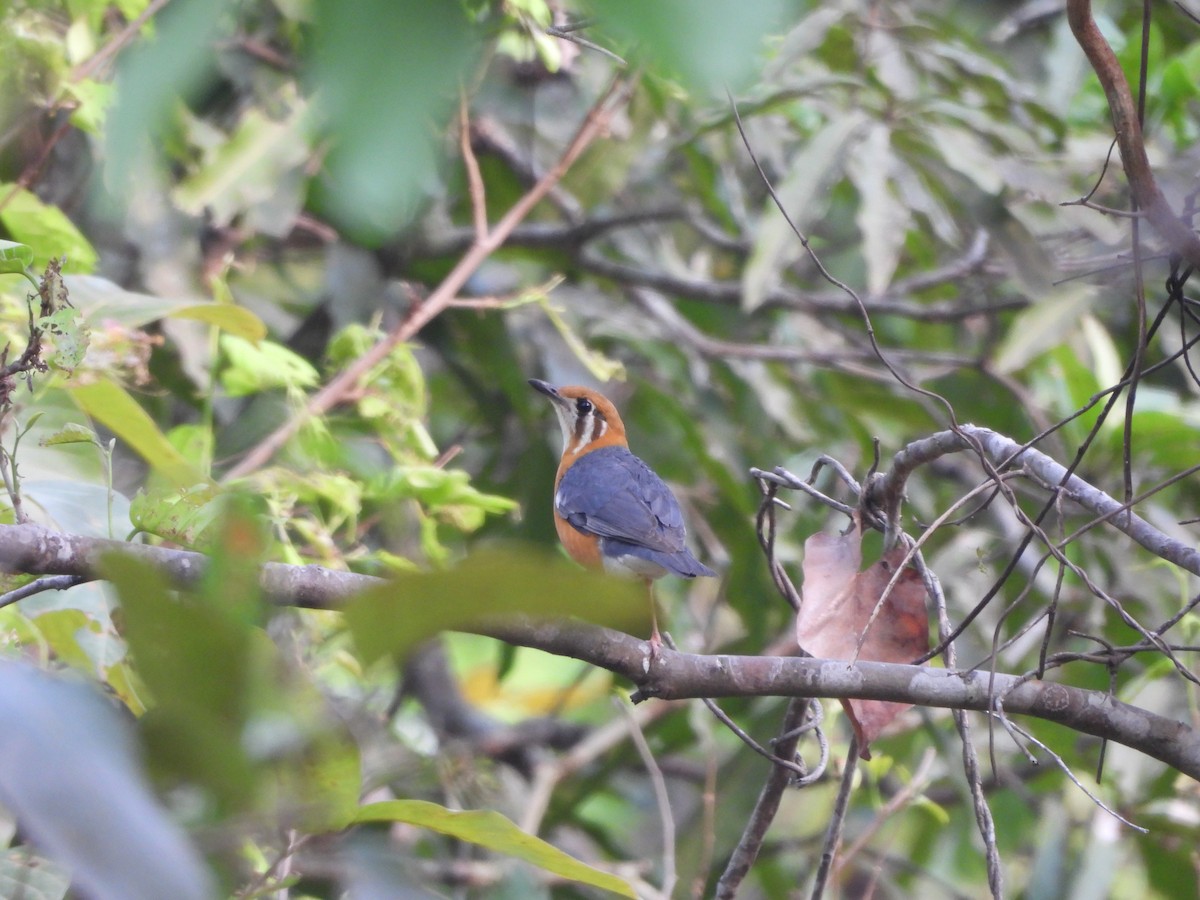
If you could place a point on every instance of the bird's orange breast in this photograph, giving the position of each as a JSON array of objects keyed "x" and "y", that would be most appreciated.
[{"x": 583, "y": 548}]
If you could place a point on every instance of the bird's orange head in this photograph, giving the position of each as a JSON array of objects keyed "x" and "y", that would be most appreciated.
[{"x": 588, "y": 419}]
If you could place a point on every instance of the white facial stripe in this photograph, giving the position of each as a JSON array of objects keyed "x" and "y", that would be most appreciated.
[
  {"x": 566, "y": 423},
  {"x": 580, "y": 430},
  {"x": 583, "y": 427}
]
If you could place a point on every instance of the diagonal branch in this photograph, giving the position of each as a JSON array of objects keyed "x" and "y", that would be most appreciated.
[
  {"x": 594, "y": 124},
  {"x": 1004, "y": 452}
]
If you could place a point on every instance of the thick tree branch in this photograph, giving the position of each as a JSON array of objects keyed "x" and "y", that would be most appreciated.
[
  {"x": 678, "y": 676},
  {"x": 34, "y": 550},
  {"x": 672, "y": 676}
]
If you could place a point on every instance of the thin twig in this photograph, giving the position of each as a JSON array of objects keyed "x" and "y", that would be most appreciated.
[
  {"x": 661, "y": 798},
  {"x": 474, "y": 177},
  {"x": 1058, "y": 761},
  {"x": 549, "y": 774},
  {"x": 983, "y": 813},
  {"x": 49, "y": 583},
  {"x": 798, "y": 770},
  {"x": 1104, "y": 210},
  {"x": 567, "y": 33},
  {"x": 837, "y": 819},
  {"x": 765, "y": 808},
  {"x": 88, "y": 67},
  {"x": 708, "y": 807},
  {"x": 13, "y": 486},
  {"x": 902, "y": 798}
]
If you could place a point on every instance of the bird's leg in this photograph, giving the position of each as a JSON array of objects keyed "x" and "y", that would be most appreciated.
[{"x": 656, "y": 640}]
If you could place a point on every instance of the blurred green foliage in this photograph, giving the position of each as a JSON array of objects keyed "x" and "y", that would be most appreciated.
[{"x": 248, "y": 196}]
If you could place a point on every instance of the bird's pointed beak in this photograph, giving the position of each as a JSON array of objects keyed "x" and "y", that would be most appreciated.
[
  {"x": 564, "y": 409},
  {"x": 549, "y": 390}
]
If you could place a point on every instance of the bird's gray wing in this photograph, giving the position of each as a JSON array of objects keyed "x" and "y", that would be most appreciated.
[{"x": 612, "y": 494}]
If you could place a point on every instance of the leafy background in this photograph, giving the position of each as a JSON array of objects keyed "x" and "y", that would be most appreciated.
[{"x": 247, "y": 195}]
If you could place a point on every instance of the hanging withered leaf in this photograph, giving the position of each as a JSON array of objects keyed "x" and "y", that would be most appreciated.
[
  {"x": 61, "y": 321},
  {"x": 838, "y": 604}
]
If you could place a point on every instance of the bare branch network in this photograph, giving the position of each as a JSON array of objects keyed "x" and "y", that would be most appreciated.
[{"x": 32, "y": 549}]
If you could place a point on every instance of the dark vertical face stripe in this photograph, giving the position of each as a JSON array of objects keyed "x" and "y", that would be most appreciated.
[
  {"x": 589, "y": 427},
  {"x": 582, "y": 423}
]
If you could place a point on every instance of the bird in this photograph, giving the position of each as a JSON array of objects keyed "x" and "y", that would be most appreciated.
[{"x": 611, "y": 510}]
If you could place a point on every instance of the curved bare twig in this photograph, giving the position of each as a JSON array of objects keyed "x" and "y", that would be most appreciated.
[{"x": 1003, "y": 452}]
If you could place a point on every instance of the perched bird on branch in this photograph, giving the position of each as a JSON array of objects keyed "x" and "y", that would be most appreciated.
[{"x": 611, "y": 510}]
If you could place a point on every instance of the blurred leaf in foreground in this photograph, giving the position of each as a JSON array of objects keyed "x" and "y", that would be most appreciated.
[
  {"x": 492, "y": 830},
  {"x": 70, "y": 775},
  {"x": 412, "y": 607}
]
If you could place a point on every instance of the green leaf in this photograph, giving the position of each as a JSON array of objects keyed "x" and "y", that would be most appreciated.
[
  {"x": 1043, "y": 325},
  {"x": 122, "y": 680},
  {"x": 248, "y": 168},
  {"x": 708, "y": 44},
  {"x": 46, "y": 230},
  {"x": 968, "y": 154},
  {"x": 882, "y": 217},
  {"x": 1168, "y": 438},
  {"x": 100, "y": 299},
  {"x": 192, "y": 656},
  {"x": 195, "y": 660},
  {"x": 398, "y": 390},
  {"x": 60, "y": 628},
  {"x": 804, "y": 194},
  {"x": 73, "y": 778},
  {"x": 14, "y": 258},
  {"x": 94, "y": 99},
  {"x": 110, "y": 404},
  {"x": 234, "y": 320},
  {"x": 489, "y": 829},
  {"x": 263, "y": 366},
  {"x": 411, "y": 607},
  {"x": 71, "y": 433},
  {"x": 182, "y": 517},
  {"x": 405, "y": 56},
  {"x": 227, "y": 713},
  {"x": 602, "y": 368},
  {"x": 195, "y": 441},
  {"x": 328, "y": 781},
  {"x": 438, "y": 487}
]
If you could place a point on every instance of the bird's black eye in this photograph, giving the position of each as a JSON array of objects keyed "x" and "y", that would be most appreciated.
[{"x": 583, "y": 406}]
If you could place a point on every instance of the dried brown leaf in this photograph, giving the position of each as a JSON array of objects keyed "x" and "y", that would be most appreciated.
[{"x": 838, "y": 604}]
